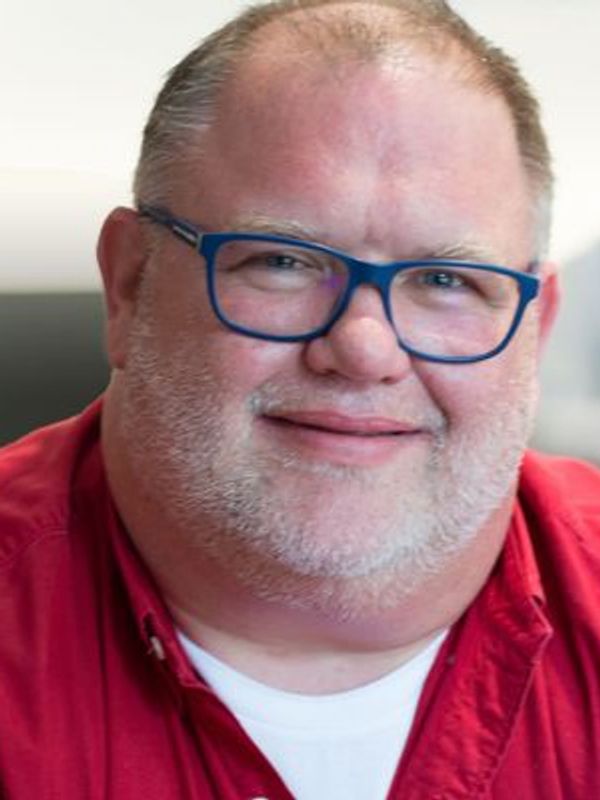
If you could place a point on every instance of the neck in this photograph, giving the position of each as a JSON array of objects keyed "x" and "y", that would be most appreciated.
[
  {"x": 311, "y": 650},
  {"x": 311, "y": 667}
]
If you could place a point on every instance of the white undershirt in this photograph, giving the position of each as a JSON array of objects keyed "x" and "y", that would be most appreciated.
[{"x": 343, "y": 746}]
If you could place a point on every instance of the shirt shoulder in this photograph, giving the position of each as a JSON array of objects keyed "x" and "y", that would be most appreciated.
[
  {"x": 560, "y": 499},
  {"x": 562, "y": 483},
  {"x": 563, "y": 489},
  {"x": 36, "y": 474}
]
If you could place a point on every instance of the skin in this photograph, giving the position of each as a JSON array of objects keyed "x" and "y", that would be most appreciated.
[{"x": 318, "y": 560}]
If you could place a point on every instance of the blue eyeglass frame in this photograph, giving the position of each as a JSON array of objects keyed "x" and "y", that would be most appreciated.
[{"x": 379, "y": 275}]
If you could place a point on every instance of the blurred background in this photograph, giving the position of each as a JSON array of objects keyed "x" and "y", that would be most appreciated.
[{"x": 77, "y": 81}]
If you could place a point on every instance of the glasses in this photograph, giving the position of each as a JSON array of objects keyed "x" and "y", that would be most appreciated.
[{"x": 286, "y": 290}]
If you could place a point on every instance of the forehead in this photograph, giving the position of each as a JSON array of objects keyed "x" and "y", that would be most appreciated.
[{"x": 362, "y": 143}]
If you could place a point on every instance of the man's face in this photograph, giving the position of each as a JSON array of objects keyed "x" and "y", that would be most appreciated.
[{"x": 342, "y": 457}]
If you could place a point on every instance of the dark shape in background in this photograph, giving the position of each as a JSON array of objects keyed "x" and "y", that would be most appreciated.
[{"x": 52, "y": 362}]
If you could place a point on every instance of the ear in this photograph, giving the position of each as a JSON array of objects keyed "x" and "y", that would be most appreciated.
[
  {"x": 122, "y": 254},
  {"x": 548, "y": 300}
]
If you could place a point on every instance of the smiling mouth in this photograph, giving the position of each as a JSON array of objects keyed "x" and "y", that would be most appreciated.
[
  {"x": 336, "y": 431},
  {"x": 337, "y": 438},
  {"x": 336, "y": 424}
]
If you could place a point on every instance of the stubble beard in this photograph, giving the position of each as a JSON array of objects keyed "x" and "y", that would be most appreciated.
[{"x": 281, "y": 525}]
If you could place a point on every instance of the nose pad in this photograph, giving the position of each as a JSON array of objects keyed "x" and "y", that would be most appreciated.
[{"x": 362, "y": 345}]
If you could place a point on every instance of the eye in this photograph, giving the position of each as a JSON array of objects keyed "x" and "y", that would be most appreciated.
[
  {"x": 442, "y": 279},
  {"x": 283, "y": 261},
  {"x": 446, "y": 285},
  {"x": 277, "y": 261}
]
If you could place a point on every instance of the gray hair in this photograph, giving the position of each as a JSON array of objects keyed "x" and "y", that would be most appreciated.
[{"x": 186, "y": 104}]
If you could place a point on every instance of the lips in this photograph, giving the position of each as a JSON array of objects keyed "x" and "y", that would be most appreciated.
[
  {"x": 329, "y": 436},
  {"x": 343, "y": 424}
]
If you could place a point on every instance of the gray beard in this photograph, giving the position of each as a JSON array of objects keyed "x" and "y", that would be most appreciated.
[{"x": 241, "y": 507}]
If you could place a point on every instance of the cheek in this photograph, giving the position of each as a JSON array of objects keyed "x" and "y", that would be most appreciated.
[
  {"x": 459, "y": 391},
  {"x": 234, "y": 365},
  {"x": 473, "y": 394},
  {"x": 197, "y": 346},
  {"x": 240, "y": 364}
]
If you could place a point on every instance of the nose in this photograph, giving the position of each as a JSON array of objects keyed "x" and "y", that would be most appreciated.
[{"x": 362, "y": 345}]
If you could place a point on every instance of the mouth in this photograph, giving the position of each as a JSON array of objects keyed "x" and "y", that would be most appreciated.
[
  {"x": 344, "y": 425},
  {"x": 340, "y": 438}
]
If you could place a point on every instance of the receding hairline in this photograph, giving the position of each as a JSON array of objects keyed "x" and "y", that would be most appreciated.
[
  {"x": 294, "y": 45},
  {"x": 322, "y": 32}
]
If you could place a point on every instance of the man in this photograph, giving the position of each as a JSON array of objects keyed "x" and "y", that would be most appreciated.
[{"x": 296, "y": 551}]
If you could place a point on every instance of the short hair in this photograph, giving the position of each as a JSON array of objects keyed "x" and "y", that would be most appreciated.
[{"x": 186, "y": 104}]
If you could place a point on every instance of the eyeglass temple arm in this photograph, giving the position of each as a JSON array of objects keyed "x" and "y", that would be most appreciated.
[{"x": 183, "y": 230}]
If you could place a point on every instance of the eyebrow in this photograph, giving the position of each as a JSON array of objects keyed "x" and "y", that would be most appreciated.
[
  {"x": 467, "y": 250},
  {"x": 261, "y": 223}
]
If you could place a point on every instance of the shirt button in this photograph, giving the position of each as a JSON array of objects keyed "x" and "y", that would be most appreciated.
[{"x": 157, "y": 648}]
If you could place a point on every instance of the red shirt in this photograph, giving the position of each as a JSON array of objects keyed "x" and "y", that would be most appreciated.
[{"x": 98, "y": 701}]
